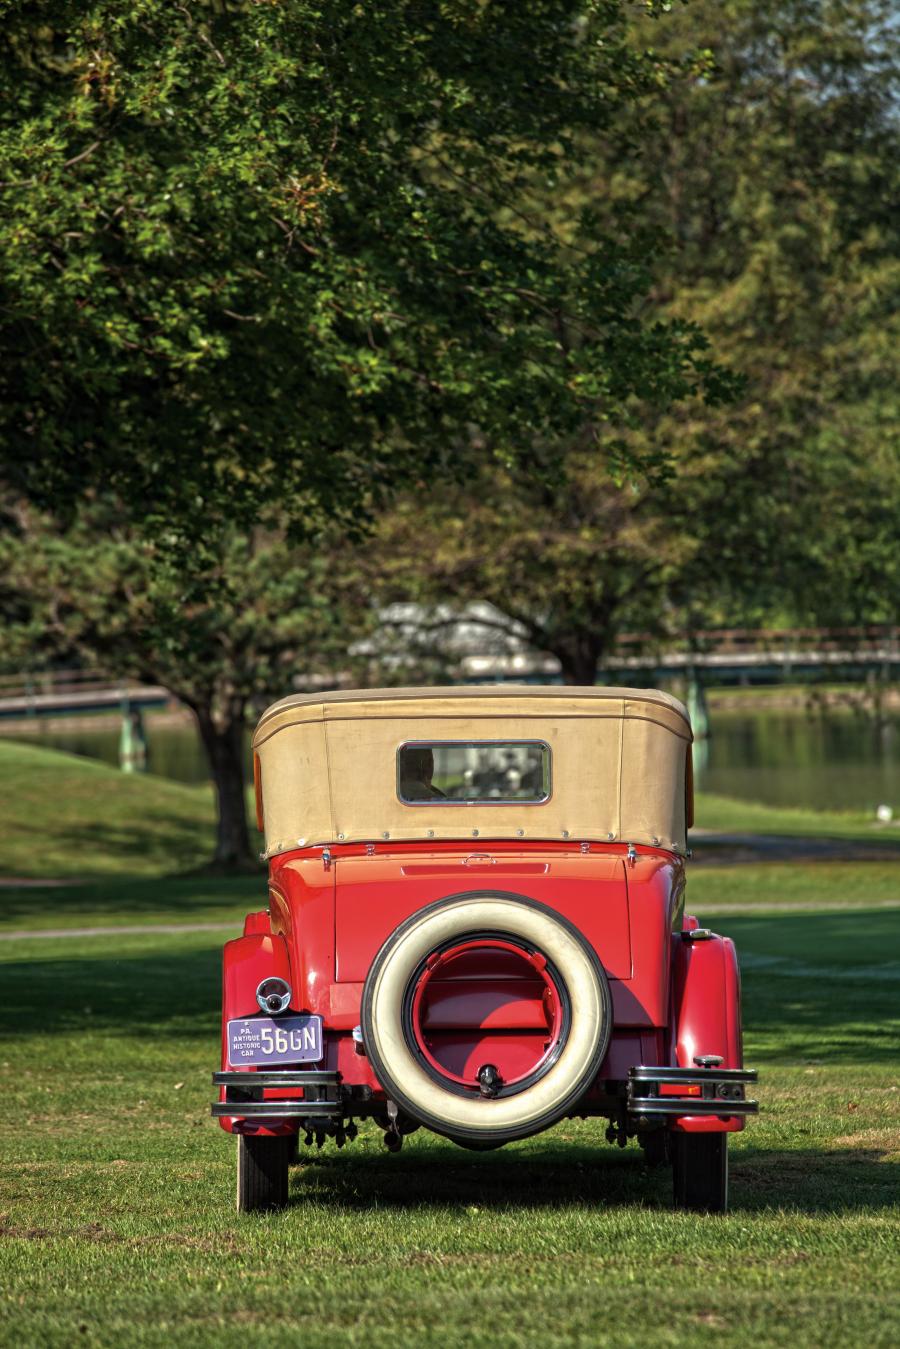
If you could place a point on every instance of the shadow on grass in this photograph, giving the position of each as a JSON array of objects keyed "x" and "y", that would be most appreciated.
[
  {"x": 162, "y": 836},
  {"x": 835, "y": 1020},
  {"x": 830, "y": 992},
  {"x": 185, "y": 896},
  {"x": 555, "y": 1174},
  {"x": 733, "y": 848},
  {"x": 167, "y": 991}
]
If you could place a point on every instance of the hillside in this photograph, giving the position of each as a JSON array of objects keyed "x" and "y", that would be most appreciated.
[{"x": 65, "y": 816}]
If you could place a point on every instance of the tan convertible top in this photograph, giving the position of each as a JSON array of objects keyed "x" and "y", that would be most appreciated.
[{"x": 326, "y": 764}]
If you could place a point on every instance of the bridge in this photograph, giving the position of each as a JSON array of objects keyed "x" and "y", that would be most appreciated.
[
  {"x": 724, "y": 656},
  {"x": 716, "y": 657},
  {"x": 67, "y": 693}
]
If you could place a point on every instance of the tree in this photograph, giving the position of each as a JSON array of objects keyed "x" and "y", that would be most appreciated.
[
  {"x": 225, "y": 636},
  {"x": 773, "y": 168},
  {"x": 566, "y": 559},
  {"x": 256, "y": 253},
  {"x": 770, "y": 161}
]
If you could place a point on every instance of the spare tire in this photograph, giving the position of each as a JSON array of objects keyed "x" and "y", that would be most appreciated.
[{"x": 463, "y": 952}]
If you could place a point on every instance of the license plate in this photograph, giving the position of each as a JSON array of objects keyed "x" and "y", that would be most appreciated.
[{"x": 268, "y": 1039}]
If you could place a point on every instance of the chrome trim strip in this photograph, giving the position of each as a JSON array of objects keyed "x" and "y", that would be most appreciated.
[
  {"x": 689, "y": 1105},
  {"x": 276, "y": 1109},
  {"x": 703, "y": 1076},
  {"x": 274, "y": 1077}
]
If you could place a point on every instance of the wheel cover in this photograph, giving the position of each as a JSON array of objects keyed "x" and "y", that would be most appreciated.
[
  {"x": 556, "y": 1003},
  {"x": 578, "y": 1008}
]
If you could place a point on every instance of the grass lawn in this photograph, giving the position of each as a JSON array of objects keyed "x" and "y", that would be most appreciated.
[
  {"x": 815, "y": 885},
  {"x": 729, "y": 816},
  {"x": 138, "y": 901},
  {"x": 63, "y": 815},
  {"x": 117, "y": 1221},
  {"x": 116, "y": 1189}
]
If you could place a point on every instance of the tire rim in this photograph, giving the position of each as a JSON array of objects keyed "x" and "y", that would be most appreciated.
[{"x": 555, "y": 999}]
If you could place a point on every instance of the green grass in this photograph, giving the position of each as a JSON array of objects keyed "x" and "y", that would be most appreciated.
[
  {"x": 135, "y": 902},
  {"x": 816, "y": 885},
  {"x": 62, "y": 815},
  {"x": 69, "y": 818},
  {"x": 116, "y": 1189},
  {"x": 730, "y": 816}
]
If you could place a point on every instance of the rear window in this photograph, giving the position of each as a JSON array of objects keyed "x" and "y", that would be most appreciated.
[{"x": 461, "y": 772}]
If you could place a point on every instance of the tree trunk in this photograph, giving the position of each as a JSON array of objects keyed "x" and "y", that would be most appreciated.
[
  {"x": 223, "y": 741},
  {"x": 579, "y": 658}
]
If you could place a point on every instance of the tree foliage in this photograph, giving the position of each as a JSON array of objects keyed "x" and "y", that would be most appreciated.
[
  {"x": 565, "y": 560},
  {"x": 774, "y": 169},
  {"x": 256, "y": 251},
  {"x": 225, "y": 634},
  {"x": 770, "y": 162}
]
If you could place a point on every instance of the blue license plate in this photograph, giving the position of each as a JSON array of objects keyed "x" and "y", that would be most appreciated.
[{"x": 258, "y": 1040}]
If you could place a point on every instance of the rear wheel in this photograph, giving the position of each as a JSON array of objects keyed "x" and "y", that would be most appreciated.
[
  {"x": 700, "y": 1171},
  {"x": 262, "y": 1172}
]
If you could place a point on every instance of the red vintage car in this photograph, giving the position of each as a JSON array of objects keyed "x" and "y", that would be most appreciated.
[{"x": 476, "y": 924}]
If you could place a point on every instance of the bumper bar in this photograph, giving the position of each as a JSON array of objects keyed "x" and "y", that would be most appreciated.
[
  {"x": 323, "y": 1097},
  {"x": 721, "y": 1091}
]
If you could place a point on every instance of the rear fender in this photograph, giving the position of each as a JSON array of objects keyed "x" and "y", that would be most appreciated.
[
  {"x": 706, "y": 1014},
  {"x": 246, "y": 962}
]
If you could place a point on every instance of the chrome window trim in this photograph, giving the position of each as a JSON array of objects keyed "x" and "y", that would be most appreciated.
[{"x": 477, "y": 801}]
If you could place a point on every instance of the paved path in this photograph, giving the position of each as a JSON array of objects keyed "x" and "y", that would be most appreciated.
[
  {"x": 714, "y": 849},
  {"x": 22, "y": 934},
  {"x": 764, "y": 910}
]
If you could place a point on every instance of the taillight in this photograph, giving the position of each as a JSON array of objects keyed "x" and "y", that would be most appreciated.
[{"x": 274, "y": 995}]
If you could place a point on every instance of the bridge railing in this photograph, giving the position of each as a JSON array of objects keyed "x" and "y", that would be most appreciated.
[
  {"x": 70, "y": 690},
  {"x": 871, "y": 639}
]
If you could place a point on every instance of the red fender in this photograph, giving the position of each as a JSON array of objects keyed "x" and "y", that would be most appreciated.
[
  {"x": 706, "y": 1014},
  {"x": 247, "y": 961}
]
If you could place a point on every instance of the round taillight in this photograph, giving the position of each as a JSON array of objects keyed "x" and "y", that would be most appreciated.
[{"x": 274, "y": 996}]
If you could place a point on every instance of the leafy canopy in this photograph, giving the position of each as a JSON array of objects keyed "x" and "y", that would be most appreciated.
[
  {"x": 769, "y": 163},
  {"x": 283, "y": 250}
]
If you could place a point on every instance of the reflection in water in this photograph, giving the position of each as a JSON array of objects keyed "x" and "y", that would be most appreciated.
[
  {"x": 841, "y": 761},
  {"x": 789, "y": 758},
  {"x": 172, "y": 751}
]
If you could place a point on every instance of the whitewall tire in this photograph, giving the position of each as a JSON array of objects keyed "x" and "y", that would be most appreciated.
[{"x": 538, "y": 1101}]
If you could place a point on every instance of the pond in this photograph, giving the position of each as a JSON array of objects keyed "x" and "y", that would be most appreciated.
[
  {"x": 836, "y": 761},
  {"x": 827, "y": 761}
]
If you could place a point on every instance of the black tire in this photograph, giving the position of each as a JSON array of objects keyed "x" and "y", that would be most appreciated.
[
  {"x": 472, "y": 1146},
  {"x": 423, "y": 1099},
  {"x": 700, "y": 1172},
  {"x": 262, "y": 1172}
]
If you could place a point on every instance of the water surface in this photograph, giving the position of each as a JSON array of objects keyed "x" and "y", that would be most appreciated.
[{"x": 837, "y": 760}]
